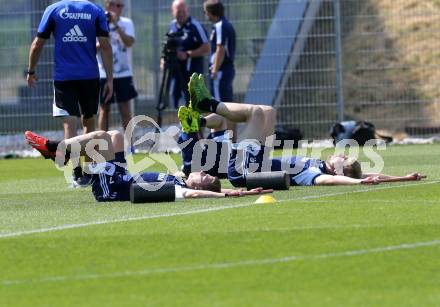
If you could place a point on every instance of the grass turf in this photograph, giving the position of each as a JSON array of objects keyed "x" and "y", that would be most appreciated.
[{"x": 318, "y": 246}]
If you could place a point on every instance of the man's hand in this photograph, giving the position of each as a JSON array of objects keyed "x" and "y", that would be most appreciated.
[
  {"x": 378, "y": 179},
  {"x": 34, "y": 55},
  {"x": 242, "y": 192},
  {"x": 234, "y": 194},
  {"x": 113, "y": 18},
  {"x": 182, "y": 55},
  {"x": 415, "y": 176},
  {"x": 31, "y": 79},
  {"x": 214, "y": 75},
  {"x": 371, "y": 180},
  {"x": 107, "y": 61},
  {"x": 108, "y": 90},
  {"x": 219, "y": 57}
]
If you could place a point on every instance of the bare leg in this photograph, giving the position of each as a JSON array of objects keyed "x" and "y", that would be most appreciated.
[
  {"x": 270, "y": 118},
  {"x": 70, "y": 126},
  {"x": 117, "y": 140},
  {"x": 125, "y": 111},
  {"x": 118, "y": 148},
  {"x": 236, "y": 112},
  {"x": 104, "y": 116},
  {"x": 88, "y": 124},
  {"x": 260, "y": 119},
  {"x": 233, "y": 127},
  {"x": 215, "y": 122},
  {"x": 81, "y": 142},
  {"x": 258, "y": 126}
]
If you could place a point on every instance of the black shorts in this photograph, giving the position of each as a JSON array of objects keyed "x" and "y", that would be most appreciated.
[
  {"x": 76, "y": 98},
  {"x": 123, "y": 90}
]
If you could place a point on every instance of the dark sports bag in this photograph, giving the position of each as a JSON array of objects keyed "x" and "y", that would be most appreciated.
[
  {"x": 360, "y": 131},
  {"x": 283, "y": 134}
]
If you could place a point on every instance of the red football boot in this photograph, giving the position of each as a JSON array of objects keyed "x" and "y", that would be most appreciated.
[{"x": 39, "y": 143}]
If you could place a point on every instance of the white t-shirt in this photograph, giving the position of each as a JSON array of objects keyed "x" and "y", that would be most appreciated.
[{"x": 122, "y": 59}]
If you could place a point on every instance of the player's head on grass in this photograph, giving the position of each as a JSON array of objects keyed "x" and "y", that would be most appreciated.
[
  {"x": 202, "y": 181},
  {"x": 344, "y": 166}
]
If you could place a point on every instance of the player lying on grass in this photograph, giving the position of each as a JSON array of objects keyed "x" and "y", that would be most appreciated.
[
  {"x": 110, "y": 180},
  {"x": 260, "y": 121}
]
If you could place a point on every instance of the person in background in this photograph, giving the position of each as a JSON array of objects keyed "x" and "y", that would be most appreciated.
[
  {"x": 75, "y": 26},
  {"x": 122, "y": 38},
  {"x": 192, "y": 46},
  {"x": 221, "y": 65}
]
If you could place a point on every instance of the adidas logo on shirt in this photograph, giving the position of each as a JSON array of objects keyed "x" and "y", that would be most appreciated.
[{"x": 74, "y": 35}]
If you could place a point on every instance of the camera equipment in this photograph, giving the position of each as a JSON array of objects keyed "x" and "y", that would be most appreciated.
[
  {"x": 169, "y": 54},
  {"x": 172, "y": 42},
  {"x": 360, "y": 131}
]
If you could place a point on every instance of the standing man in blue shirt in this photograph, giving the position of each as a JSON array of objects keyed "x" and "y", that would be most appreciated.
[
  {"x": 221, "y": 65},
  {"x": 75, "y": 25},
  {"x": 192, "y": 46}
]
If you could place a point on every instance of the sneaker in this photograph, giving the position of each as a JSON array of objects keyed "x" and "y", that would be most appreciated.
[
  {"x": 82, "y": 182},
  {"x": 197, "y": 91},
  {"x": 195, "y": 120},
  {"x": 39, "y": 143},
  {"x": 184, "y": 119},
  {"x": 192, "y": 81},
  {"x": 189, "y": 119}
]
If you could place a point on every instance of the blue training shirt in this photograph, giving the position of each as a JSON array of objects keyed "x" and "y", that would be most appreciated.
[
  {"x": 223, "y": 33},
  {"x": 302, "y": 170},
  {"x": 111, "y": 183},
  {"x": 75, "y": 25},
  {"x": 152, "y": 177},
  {"x": 193, "y": 36}
]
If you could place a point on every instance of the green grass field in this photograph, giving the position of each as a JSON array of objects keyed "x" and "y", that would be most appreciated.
[{"x": 317, "y": 246}]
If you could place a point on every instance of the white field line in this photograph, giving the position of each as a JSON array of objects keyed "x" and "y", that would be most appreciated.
[
  {"x": 225, "y": 265},
  {"x": 330, "y": 227},
  {"x": 380, "y": 201},
  {"x": 197, "y": 211}
]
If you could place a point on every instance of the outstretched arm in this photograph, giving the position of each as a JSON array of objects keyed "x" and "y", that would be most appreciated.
[
  {"x": 202, "y": 194},
  {"x": 411, "y": 176},
  {"x": 367, "y": 179},
  {"x": 387, "y": 178},
  {"x": 224, "y": 193},
  {"x": 203, "y": 50},
  {"x": 336, "y": 180}
]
